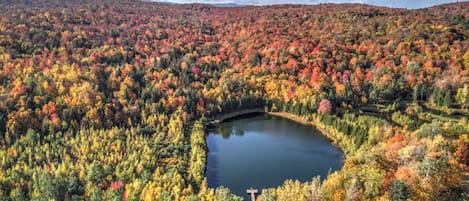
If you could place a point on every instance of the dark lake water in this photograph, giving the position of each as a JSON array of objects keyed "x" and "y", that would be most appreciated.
[{"x": 262, "y": 151}]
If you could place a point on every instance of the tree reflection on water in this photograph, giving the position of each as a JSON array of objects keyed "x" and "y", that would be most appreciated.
[{"x": 227, "y": 130}]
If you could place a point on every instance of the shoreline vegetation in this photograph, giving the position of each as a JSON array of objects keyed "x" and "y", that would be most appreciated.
[{"x": 378, "y": 133}]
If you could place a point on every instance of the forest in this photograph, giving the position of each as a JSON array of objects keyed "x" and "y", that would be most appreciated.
[{"x": 108, "y": 99}]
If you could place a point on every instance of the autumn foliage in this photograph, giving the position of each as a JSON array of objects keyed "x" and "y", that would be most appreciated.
[
  {"x": 106, "y": 100},
  {"x": 325, "y": 107}
]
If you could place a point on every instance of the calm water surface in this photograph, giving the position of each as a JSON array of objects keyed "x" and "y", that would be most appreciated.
[{"x": 262, "y": 151}]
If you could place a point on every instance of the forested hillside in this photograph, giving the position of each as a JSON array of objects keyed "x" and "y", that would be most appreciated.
[{"x": 107, "y": 100}]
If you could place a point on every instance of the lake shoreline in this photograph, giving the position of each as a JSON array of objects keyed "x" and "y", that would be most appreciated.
[
  {"x": 327, "y": 131},
  {"x": 288, "y": 134},
  {"x": 230, "y": 115},
  {"x": 224, "y": 117}
]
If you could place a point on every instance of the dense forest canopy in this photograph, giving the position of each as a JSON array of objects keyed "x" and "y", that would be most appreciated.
[{"x": 107, "y": 100}]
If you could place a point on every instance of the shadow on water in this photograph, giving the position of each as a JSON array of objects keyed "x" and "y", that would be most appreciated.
[
  {"x": 211, "y": 172},
  {"x": 246, "y": 116},
  {"x": 227, "y": 131},
  {"x": 226, "y": 128}
]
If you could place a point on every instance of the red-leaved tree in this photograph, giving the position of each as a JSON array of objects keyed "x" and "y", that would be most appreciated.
[{"x": 325, "y": 107}]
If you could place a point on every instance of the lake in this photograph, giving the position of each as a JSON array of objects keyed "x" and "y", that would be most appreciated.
[{"x": 262, "y": 151}]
